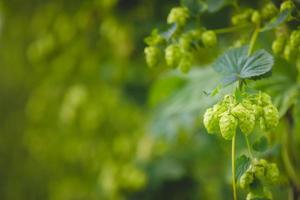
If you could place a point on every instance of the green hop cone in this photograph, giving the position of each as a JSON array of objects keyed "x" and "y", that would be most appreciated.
[
  {"x": 152, "y": 54},
  {"x": 295, "y": 39},
  {"x": 289, "y": 52},
  {"x": 228, "y": 124},
  {"x": 246, "y": 118},
  {"x": 271, "y": 116},
  {"x": 185, "y": 62},
  {"x": 229, "y": 100},
  {"x": 287, "y": 5},
  {"x": 209, "y": 38},
  {"x": 185, "y": 41},
  {"x": 259, "y": 168},
  {"x": 255, "y": 17},
  {"x": 211, "y": 118},
  {"x": 263, "y": 195},
  {"x": 246, "y": 179},
  {"x": 210, "y": 121},
  {"x": 278, "y": 45},
  {"x": 272, "y": 173},
  {"x": 178, "y": 15},
  {"x": 265, "y": 98},
  {"x": 154, "y": 39},
  {"x": 268, "y": 11},
  {"x": 172, "y": 55}
]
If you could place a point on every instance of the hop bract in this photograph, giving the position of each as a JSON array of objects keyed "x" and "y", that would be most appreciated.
[{"x": 178, "y": 15}]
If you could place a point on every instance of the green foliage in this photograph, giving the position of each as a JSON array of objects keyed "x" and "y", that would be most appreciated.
[{"x": 236, "y": 64}]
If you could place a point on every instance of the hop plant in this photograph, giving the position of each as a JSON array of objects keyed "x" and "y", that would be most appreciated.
[
  {"x": 209, "y": 38},
  {"x": 271, "y": 116},
  {"x": 178, "y": 15},
  {"x": 152, "y": 54},
  {"x": 172, "y": 55},
  {"x": 228, "y": 124}
]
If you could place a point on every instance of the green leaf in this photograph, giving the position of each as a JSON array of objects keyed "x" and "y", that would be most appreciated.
[
  {"x": 195, "y": 6},
  {"x": 216, "y": 5},
  {"x": 261, "y": 144},
  {"x": 236, "y": 65},
  {"x": 170, "y": 32},
  {"x": 282, "y": 17},
  {"x": 242, "y": 164}
]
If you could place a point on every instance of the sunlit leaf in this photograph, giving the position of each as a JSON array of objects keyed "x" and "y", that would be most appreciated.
[{"x": 235, "y": 64}]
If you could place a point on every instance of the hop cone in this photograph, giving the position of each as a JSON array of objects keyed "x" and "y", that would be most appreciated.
[
  {"x": 211, "y": 118},
  {"x": 228, "y": 124},
  {"x": 245, "y": 117},
  {"x": 271, "y": 116}
]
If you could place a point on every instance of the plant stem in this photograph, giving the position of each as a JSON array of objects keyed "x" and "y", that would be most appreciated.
[
  {"x": 248, "y": 146},
  {"x": 230, "y": 29},
  {"x": 233, "y": 167},
  {"x": 253, "y": 40}
]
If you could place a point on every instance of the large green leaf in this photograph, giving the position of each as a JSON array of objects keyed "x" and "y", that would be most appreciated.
[{"x": 235, "y": 64}]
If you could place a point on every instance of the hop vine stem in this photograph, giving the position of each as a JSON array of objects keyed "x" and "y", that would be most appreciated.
[
  {"x": 253, "y": 39},
  {"x": 233, "y": 167}
]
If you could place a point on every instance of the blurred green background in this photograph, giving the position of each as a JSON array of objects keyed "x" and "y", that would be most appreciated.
[{"x": 81, "y": 116}]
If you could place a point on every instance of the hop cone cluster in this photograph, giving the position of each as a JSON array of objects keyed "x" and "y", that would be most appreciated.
[
  {"x": 228, "y": 114},
  {"x": 261, "y": 173}
]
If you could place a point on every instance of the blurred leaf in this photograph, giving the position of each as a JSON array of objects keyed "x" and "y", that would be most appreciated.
[
  {"x": 242, "y": 164},
  {"x": 282, "y": 17},
  {"x": 216, "y": 5},
  {"x": 235, "y": 64},
  {"x": 164, "y": 88},
  {"x": 169, "y": 33},
  {"x": 261, "y": 144},
  {"x": 195, "y": 6},
  {"x": 187, "y": 104}
]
